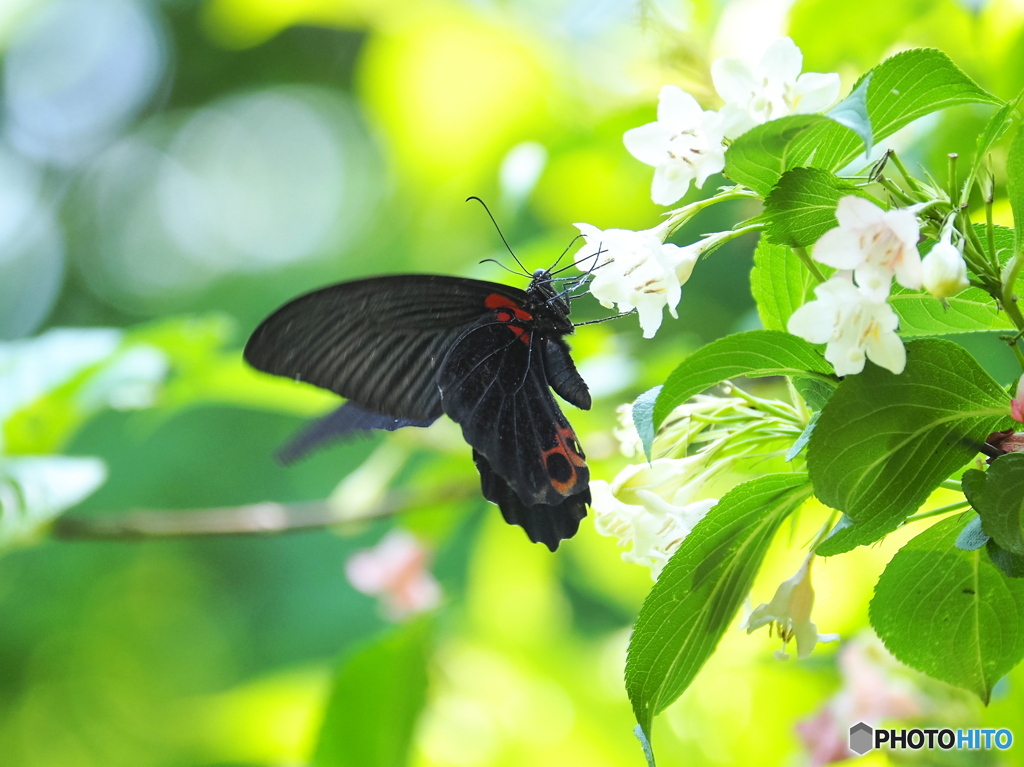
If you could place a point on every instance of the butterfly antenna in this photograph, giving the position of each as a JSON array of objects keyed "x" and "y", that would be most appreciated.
[
  {"x": 496, "y": 261},
  {"x": 502, "y": 236},
  {"x": 557, "y": 260}
]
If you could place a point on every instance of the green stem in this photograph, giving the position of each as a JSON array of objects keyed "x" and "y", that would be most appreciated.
[
  {"x": 951, "y": 484},
  {"x": 809, "y": 263},
  {"x": 911, "y": 182},
  {"x": 895, "y": 191},
  {"x": 679, "y": 217},
  {"x": 1009, "y": 301},
  {"x": 954, "y": 193},
  {"x": 958, "y": 506}
]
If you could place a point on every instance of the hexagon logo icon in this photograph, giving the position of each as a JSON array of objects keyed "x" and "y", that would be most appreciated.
[{"x": 861, "y": 738}]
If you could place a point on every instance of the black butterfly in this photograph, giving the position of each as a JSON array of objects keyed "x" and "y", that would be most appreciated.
[{"x": 406, "y": 349}]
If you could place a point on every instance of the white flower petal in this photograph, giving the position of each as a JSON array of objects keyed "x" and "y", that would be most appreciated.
[
  {"x": 839, "y": 248},
  {"x": 782, "y": 61},
  {"x": 815, "y": 92},
  {"x": 814, "y": 322},
  {"x": 855, "y": 212},
  {"x": 676, "y": 106},
  {"x": 886, "y": 350},
  {"x": 734, "y": 80},
  {"x": 648, "y": 143},
  {"x": 671, "y": 181}
]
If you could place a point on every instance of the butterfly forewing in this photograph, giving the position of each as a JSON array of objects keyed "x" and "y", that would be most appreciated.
[{"x": 376, "y": 341}]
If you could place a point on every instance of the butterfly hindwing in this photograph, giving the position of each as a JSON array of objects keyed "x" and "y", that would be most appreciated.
[
  {"x": 494, "y": 384},
  {"x": 343, "y": 422},
  {"x": 377, "y": 341},
  {"x": 544, "y": 523}
]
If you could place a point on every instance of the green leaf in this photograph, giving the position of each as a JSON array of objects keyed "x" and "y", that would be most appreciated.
[
  {"x": 815, "y": 392},
  {"x": 754, "y": 354},
  {"x": 1011, "y": 565},
  {"x": 950, "y": 613},
  {"x": 1015, "y": 186},
  {"x": 853, "y": 113},
  {"x": 998, "y": 496},
  {"x": 702, "y": 587},
  {"x": 780, "y": 284},
  {"x": 996, "y": 127},
  {"x": 760, "y": 156},
  {"x": 802, "y": 206},
  {"x": 376, "y": 700},
  {"x": 643, "y": 418},
  {"x": 884, "y": 442},
  {"x": 36, "y": 490},
  {"x": 901, "y": 89}
]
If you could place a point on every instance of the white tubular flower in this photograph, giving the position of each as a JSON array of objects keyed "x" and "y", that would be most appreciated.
[
  {"x": 395, "y": 572},
  {"x": 649, "y": 508},
  {"x": 774, "y": 88},
  {"x": 684, "y": 145},
  {"x": 854, "y": 323},
  {"x": 876, "y": 244},
  {"x": 944, "y": 271},
  {"x": 789, "y": 613},
  {"x": 636, "y": 270}
]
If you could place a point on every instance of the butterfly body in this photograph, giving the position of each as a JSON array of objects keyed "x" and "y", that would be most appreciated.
[{"x": 405, "y": 349}]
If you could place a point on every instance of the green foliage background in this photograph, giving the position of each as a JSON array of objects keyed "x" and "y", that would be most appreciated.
[{"x": 255, "y": 650}]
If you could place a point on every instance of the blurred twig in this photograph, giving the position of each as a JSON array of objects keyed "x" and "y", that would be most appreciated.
[{"x": 251, "y": 519}]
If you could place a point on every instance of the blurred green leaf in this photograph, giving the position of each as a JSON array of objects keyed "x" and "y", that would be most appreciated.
[
  {"x": 802, "y": 206},
  {"x": 780, "y": 284},
  {"x": 702, "y": 587},
  {"x": 754, "y": 354},
  {"x": 884, "y": 442},
  {"x": 950, "y": 613},
  {"x": 376, "y": 700}
]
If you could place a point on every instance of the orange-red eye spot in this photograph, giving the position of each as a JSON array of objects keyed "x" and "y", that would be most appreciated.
[{"x": 562, "y": 460}]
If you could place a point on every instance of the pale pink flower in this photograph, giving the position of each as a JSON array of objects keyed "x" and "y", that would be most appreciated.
[
  {"x": 1017, "y": 403},
  {"x": 871, "y": 693},
  {"x": 876, "y": 244},
  {"x": 395, "y": 572}
]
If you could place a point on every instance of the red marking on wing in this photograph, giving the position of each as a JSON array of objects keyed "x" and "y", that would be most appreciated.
[
  {"x": 498, "y": 301},
  {"x": 507, "y": 312},
  {"x": 568, "y": 447}
]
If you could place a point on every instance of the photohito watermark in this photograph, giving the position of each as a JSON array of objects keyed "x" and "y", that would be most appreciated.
[{"x": 864, "y": 737}]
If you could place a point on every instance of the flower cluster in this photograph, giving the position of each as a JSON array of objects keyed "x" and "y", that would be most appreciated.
[
  {"x": 638, "y": 270},
  {"x": 686, "y": 145},
  {"x": 871, "y": 248},
  {"x": 651, "y": 507}
]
